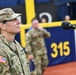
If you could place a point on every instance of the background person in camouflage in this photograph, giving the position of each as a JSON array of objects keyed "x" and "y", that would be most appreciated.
[
  {"x": 35, "y": 46},
  {"x": 12, "y": 56}
]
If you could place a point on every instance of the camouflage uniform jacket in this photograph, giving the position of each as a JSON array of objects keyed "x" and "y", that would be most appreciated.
[
  {"x": 35, "y": 41},
  {"x": 12, "y": 62}
]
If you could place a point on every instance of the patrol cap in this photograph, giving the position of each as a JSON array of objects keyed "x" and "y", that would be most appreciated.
[{"x": 8, "y": 14}]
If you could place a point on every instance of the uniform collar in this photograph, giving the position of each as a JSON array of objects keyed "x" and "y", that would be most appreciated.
[{"x": 4, "y": 39}]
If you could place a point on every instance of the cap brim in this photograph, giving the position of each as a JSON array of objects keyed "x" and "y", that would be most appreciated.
[{"x": 13, "y": 16}]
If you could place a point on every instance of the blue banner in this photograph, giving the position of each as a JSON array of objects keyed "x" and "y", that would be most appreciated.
[{"x": 60, "y": 46}]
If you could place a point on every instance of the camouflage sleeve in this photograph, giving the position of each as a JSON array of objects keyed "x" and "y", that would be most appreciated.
[
  {"x": 4, "y": 67},
  {"x": 28, "y": 44},
  {"x": 46, "y": 33}
]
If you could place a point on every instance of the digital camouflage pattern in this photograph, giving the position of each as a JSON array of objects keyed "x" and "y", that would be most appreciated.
[
  {"x": 16, "y": 62},
  {"x": 35, "y": 45},
  {"x": 8, "y": 14}
]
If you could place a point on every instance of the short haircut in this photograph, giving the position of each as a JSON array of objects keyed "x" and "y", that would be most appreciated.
[{"x": 33, "y": 19}]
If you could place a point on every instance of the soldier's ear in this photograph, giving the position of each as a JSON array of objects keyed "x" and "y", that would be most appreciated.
[{"x": 3, "y": 26}]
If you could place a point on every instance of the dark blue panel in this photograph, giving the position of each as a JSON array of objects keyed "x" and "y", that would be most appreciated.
[
  {"x": 59, "y": 2},
  {"x": 17, "y": 37},
  {"x": 6, "y": 3},
  {"x": 21, "y": 1},
  {"x": 42, "y": 1},
  {"x": 58, "y": 35}
]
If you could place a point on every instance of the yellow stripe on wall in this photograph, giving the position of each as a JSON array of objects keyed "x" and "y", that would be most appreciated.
[{"x": 30, "y": 10}]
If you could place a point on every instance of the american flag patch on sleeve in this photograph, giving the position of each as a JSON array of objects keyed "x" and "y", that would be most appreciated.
[{"x": 2, "y": 59}]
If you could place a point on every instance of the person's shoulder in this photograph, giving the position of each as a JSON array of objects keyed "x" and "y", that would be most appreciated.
[
  {"x": 2, "y": 52},
  {"x": 3, "y": 56},
  {"x": 29, "y": 33},
  {"x": 17, "y": 43}
]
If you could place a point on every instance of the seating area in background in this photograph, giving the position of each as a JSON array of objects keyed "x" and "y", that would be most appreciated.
[
  {"x": 42, "y": 1},
  {"x": 21, "y": 2},
  {"x": 6, "y": 3}
]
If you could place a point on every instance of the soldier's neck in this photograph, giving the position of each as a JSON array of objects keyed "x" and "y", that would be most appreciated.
[{"x": 9, "y": 37}]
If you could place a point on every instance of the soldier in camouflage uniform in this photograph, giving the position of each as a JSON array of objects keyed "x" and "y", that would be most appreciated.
[
  {"x": 35, "y": 46},
  {"x": 12, "y": 56}
]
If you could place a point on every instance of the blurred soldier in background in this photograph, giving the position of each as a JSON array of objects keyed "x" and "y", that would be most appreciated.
[
  {"x": 35, "y": 46},
  {"x": 67, "y": 18},
  {"x": 43, "y": 20},
  {"x": 12, "y": 56}
]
